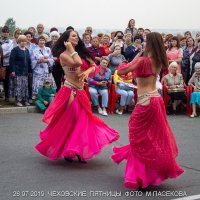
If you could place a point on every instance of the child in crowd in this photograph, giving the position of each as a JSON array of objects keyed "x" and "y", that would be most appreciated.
[{"x": 45, "y": 96}]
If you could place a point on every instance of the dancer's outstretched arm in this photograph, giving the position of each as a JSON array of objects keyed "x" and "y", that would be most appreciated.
[{"x": 129, "y": 67}]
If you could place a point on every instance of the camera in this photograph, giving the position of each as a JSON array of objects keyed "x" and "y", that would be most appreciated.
[{"x": 120, "y": 37}]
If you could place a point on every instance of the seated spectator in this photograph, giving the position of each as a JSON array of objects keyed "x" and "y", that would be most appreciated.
[
  {"x": 45, "y": 96},
  {"x": 159, "y": 85},
  {"x": 175, "y": 86},
  {"x": 20, "y": 67},
  {"x": 195, "y": 83},
  {"x": 125, "y": 88},
  {"x": 115, "y": 58},
  {"x": 95, "y": 50},
  {"x": 99, "y": 85}
]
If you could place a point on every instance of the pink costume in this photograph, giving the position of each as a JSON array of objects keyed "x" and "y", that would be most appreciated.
[
  {"x": 174, "y": 54},
  {"x": 73, "y": 129},
  {"x": 152, "y": 150}
]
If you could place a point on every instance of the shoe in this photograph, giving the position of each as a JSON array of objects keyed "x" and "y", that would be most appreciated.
[
  {"x": 68, "y": 159},
  {"x": 100, "y": 110},
  {"x": 27, "y": 104},
  {"x": 193, "y": 115},
  {"x": 80, "y": 160},
  {"x": 104, "y": 113},
  {"x": 19, "y": 104},
  {"x": 30, "y": 101},
  {"x": 34, "y": 97},
  {"x": 118, "y": 112},
  {"x": 6, "y": 99}
]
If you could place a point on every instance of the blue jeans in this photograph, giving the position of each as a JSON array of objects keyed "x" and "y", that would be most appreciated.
[
  {"x": 126, "y": 96},
  {"x": 94, "y": 96}
]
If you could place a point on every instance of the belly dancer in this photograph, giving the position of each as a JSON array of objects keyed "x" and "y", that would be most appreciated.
[
  {"x": 152, "y": 150},
  {"x": 73, "y": 130}
]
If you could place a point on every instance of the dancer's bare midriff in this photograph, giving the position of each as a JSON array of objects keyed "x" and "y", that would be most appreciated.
[{"x": 73, "y": 77}]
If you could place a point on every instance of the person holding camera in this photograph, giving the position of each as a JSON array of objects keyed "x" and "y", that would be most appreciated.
[
  {"x": 99, "y": 85},
  {"x": 132, "y": 50},
  {"x": 118, "y": 41}
]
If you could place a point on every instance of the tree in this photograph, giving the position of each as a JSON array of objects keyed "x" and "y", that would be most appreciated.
[{"x": 11, "y": 25}]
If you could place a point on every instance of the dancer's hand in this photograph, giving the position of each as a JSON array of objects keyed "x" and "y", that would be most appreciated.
[
  {"x": 83, "y": 76},
  {"x": 69, "y": 46}
]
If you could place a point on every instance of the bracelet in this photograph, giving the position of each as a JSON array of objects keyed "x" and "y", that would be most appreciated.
[{"x": 73, "y": 54}]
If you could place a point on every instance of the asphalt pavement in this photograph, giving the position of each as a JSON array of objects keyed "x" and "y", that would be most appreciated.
[{"x": 25, "y": 174}]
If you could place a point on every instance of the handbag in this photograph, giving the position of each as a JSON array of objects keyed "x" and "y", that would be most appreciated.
[{"x": 2, "y": 73}]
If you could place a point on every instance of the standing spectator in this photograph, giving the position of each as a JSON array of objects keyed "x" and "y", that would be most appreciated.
[
  {"x": 118, "y": 40},
  {"x": 195, "y": 83},
  {"x": 140, "y": 32},
  {"x": 16, "y": 34},
  {"x": 54, "y": 35},
  {"x": 100, "y": 37},
  {"x": 20, "y": 67},
  {"x": 128, "y": 40},
  {"x": 89, "y": 30},
  {"x": 42, "y": 62},
  {"x": 174, "y": 52},
  {"x": 95, "y": 50},
  {"x": 45, "y": 96},
  {"x": 183, "y": 43},
  {"x": 57, "y": 72},
  {"x": 33, "y": 31},
  {"x": 194, "y": 58},
  {"x": 185, "y": 64},
  {"x": 187, "y": 34},
  {"x": 146, "y": 31},
  {"x": 70, "y": 28},
  {"x": 2, "y": 69},
  {"x": 7, "y": 46},
  {"x": 99, "y": 85},
  {"x": 112, "y": 36},
  {"x": 132, "y": 50},
  {"x": 87, "y": 40},
  {"x": 115, "y": 58},
  {"x": 53, "y": 29},
  {"x": 131, "y": 28},
  {"x": 106, "y": 44},
  {"x": 30, "y": 46},
  {"x": 197, "y": 37},
  {"x": 40, "y": 30}
]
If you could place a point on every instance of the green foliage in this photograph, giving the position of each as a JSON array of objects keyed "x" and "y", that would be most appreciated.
[{"x": 11, "y": 25}]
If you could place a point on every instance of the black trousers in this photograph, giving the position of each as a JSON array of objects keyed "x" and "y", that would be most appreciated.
[{"x": 58, "y": 74}]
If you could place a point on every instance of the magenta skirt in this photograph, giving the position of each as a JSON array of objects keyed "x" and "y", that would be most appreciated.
[
  {"x": 73, "y": 129},
  {"x": 152, "y": 150}
]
